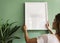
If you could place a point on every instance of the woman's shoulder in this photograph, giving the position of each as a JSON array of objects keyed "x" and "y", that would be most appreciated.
[
  {"x": 52, "y": 38},
  {"x": 44, "y": 36},
  {"x": 49, "y": 37}
]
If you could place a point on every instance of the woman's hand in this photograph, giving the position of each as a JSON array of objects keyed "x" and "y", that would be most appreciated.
[
  {"x": 24, "y": 28},
  {"x": 47, "y": 25}
]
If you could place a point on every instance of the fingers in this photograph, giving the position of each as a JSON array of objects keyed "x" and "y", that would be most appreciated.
[
  {"x": 47, "y": 24},
  {"x": 24, "y": 28}
]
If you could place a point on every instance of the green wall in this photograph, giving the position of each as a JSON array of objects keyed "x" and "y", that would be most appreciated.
[{"x": 14, "y": 10}]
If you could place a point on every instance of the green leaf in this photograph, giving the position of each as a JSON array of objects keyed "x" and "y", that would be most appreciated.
[
  {"x": 6, "y": 31},
  {"x": 1, "y": 33},
  {"x": 7, "y": 26},
  {"x": 10, "y": 41},
  {"x": 14, "y": 29},
  {"x": 12, "y": 38},
  {"x": 12, "y": 23}
]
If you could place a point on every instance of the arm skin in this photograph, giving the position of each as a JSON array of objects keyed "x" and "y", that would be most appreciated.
[
  {"x": 48, "y": 27},
  {"x": 50, "y": 30},
  {"x": 34, "y": 40},
  {"x": 28, "y": 40}
]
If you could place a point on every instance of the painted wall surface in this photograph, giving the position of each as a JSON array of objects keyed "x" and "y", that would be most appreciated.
[{"x": 14, "y": 10}]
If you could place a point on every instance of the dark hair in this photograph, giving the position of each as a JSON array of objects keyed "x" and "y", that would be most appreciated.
[{"x": 57, "y": 17}]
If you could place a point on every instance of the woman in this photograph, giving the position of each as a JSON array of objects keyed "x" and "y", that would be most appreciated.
[{"x": 47, "y": 38}]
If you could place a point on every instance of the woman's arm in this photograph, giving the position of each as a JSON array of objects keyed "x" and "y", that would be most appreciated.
[
  {"x": 48, "y": 27},
  {"x": 50, "y": 30},
  {"x": 28, "y": 40},
  {"x": 25, "y": 34}
]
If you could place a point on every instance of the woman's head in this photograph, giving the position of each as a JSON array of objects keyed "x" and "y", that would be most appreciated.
[{"x": 56, "y": 23}]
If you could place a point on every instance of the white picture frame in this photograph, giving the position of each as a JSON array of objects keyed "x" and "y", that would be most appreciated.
[{"x": 36, "y": 15}]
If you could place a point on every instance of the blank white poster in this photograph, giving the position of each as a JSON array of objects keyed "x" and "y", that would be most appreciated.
[{"x": 36, "y": 15}]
